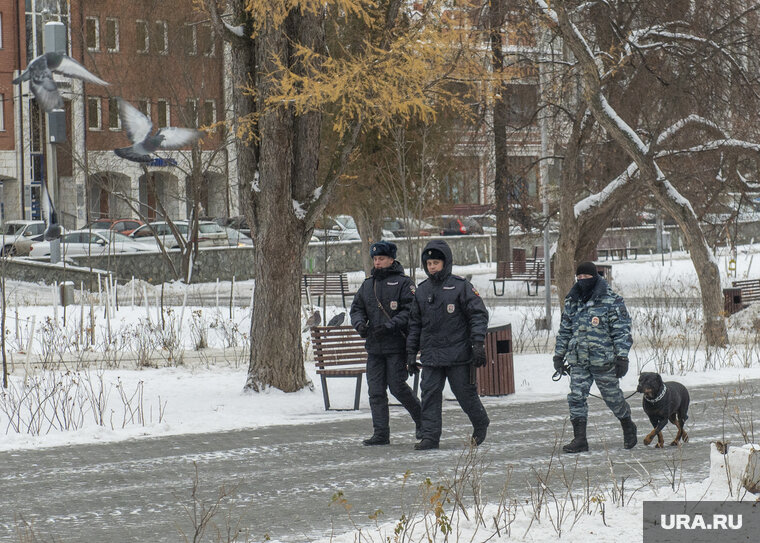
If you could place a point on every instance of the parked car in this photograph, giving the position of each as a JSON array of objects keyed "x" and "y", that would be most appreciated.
[
  {"x": 210, "y": 234},
  {"x": 352, "y": 232},
  {"x": 122, "y": 226},
  {"x": 403, "y": 227},
  {"x": 24, "y": 245},
  {"x": 90, "y": 242},
  {"x": 454, "y": 225},
  {"x": 487, "y": 222},
  {"x": 238, "y": 223},
  {"x": 15, "y": 230},
  {"x": 334, "y": 230},
  {"x": 237, "y": 238}
]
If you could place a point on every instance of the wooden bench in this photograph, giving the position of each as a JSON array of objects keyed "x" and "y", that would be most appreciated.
[
  {"x": 530, "y": 270},
  {"x": 339, "y": 352},
  {"x": 616, "y": 247},
  {"x": 325, "y": 284},
  {"x": 742, "y": 293}
]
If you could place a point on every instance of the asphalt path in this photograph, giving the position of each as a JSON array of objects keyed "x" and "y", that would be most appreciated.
[{"x": 280, "y": 480}]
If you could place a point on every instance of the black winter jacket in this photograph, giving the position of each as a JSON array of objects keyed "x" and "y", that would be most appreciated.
[
  {"x": 395, "y": 291},
  {"x": 447, "y": 316}
]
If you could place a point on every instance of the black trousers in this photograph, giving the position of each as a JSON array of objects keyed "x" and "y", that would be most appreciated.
[
  {"x": 433, "y": 381},
  {"x": 388, "y": 372}
]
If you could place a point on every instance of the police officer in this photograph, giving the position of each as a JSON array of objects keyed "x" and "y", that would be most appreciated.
[
  {"x": 380, "y": 313},
  {"x": 448, "y": 326},
  {"x": 594, "y": 339}
]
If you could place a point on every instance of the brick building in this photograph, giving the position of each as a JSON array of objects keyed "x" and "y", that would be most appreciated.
[{"x": 160, "y": 56}]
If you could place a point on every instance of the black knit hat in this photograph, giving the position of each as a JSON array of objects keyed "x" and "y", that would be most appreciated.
[
  {"x": 588, "y": 268},
  {"x": 434, "y": 254},
  {"x": 383, "y": 248}
]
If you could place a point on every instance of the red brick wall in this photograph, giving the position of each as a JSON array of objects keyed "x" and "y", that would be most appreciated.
[
  {"x": 8, "y": 62},
  {"x": 174, "y": 77}
]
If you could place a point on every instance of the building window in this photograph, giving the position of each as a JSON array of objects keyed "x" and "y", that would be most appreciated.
[
  {"x": 112, "y": 35},
  {"x": 523, "y": 105},
  {"x": 1, "y": 30},
  {"x": 209, "y": 113},
  {"x": 191, "y": 39},
  {"x": 114, "y": 121},
  {"x": 162, "y": 37},
  {"x": 141, "y": 36},
  {"x": 92, "y": 33},
  {"x": 163, "y": 113},
  {"x": 191, "y": 112},
  {"x": 207, "y": 40},
  {"x": 144, "y": 106},
  {"x": 2, "y": 112},
  {"x": 93, "y": 114},
  {"x": 36, "y": 13}
]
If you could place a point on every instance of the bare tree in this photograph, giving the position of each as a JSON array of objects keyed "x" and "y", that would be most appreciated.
[{"x": 632, "y": 61}]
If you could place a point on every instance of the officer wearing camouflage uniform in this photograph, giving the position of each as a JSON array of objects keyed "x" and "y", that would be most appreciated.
[
  {"x": 380, "y": 313},
  {"x": 447, "y": 325},
  {"x": 594, "y": 339}
]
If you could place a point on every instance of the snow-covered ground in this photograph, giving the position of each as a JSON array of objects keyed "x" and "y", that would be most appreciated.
[{"x": 189, "y": 393}]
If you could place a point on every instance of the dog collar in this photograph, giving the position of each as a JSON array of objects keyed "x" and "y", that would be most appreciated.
[{"x": 660, "y": 397}]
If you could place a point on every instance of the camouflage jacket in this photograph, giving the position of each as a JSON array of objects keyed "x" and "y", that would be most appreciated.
[{"x": 594, "y": 332}]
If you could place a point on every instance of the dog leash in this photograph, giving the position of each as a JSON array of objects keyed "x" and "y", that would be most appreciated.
[{"x": 566, "y": 371}]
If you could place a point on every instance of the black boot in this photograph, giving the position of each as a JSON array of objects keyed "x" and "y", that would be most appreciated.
[
  {"x": 479, "y": 434},
  {"x": 579, "y": 443},
  {"x": 377, "y": 440},
  {"x": 426, "y": 444},
  {"x": 629, "y": 433}
]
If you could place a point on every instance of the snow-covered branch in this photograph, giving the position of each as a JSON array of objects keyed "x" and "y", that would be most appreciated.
[
  {"x": 691, "y": 119},
  {"x": 596, "y": 200},
  {"x": 714, "y": 145}
]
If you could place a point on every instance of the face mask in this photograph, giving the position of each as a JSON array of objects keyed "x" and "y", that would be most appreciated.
[{"x": 587, "y": 287}]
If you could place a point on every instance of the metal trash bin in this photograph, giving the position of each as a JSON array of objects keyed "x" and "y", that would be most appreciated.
[{"x": 497, "y": 377}]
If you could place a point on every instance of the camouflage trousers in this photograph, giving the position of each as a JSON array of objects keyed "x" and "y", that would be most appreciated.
[{"x": 581, "y": 378}]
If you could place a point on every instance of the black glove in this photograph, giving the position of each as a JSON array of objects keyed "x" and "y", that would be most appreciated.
[
  {"x": 621, "y": 366},
  {"x": 362, "y": 329},
  {"x": 478, "y": 355},
  {"x": 411, "y": 363},
  {"x": 559, "y": 361}
]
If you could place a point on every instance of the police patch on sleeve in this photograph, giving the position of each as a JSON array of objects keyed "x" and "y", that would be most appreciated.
[
  {"x": 475, "y": 291},
  {"x": 413, "y": 289}
]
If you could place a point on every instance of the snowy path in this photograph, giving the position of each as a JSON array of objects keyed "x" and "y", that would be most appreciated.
[{"x": 283, "y": 477}]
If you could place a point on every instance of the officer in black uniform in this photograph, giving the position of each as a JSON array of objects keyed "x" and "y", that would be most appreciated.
[
  {"x": 380, "y": 313},
  {"x": 448, "y": 325}
]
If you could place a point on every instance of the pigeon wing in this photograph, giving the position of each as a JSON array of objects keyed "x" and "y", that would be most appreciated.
[
  {"x": 38, "y": 63},
  {"x": 72, "y": 68},
  {"x": 176, "y": 138},
  {"x": 129, "y": 153},
  {"x": 137, "y": 125}
]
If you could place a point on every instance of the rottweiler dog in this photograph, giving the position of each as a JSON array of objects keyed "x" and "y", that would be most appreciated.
[{"x": 664, "y": 402}]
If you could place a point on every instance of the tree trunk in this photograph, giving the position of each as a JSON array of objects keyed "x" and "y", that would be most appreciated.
[
  {"x": 502, "y": 186},
  {"x": 288, "y": 165}
]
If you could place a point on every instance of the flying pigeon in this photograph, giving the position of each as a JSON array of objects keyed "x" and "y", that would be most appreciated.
[
  {"x": 312, "y": 321},
  {"x": 338, "y": 319},
  {"x": 139, "y": 129},
  {"x": 39, "y": 73}
]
